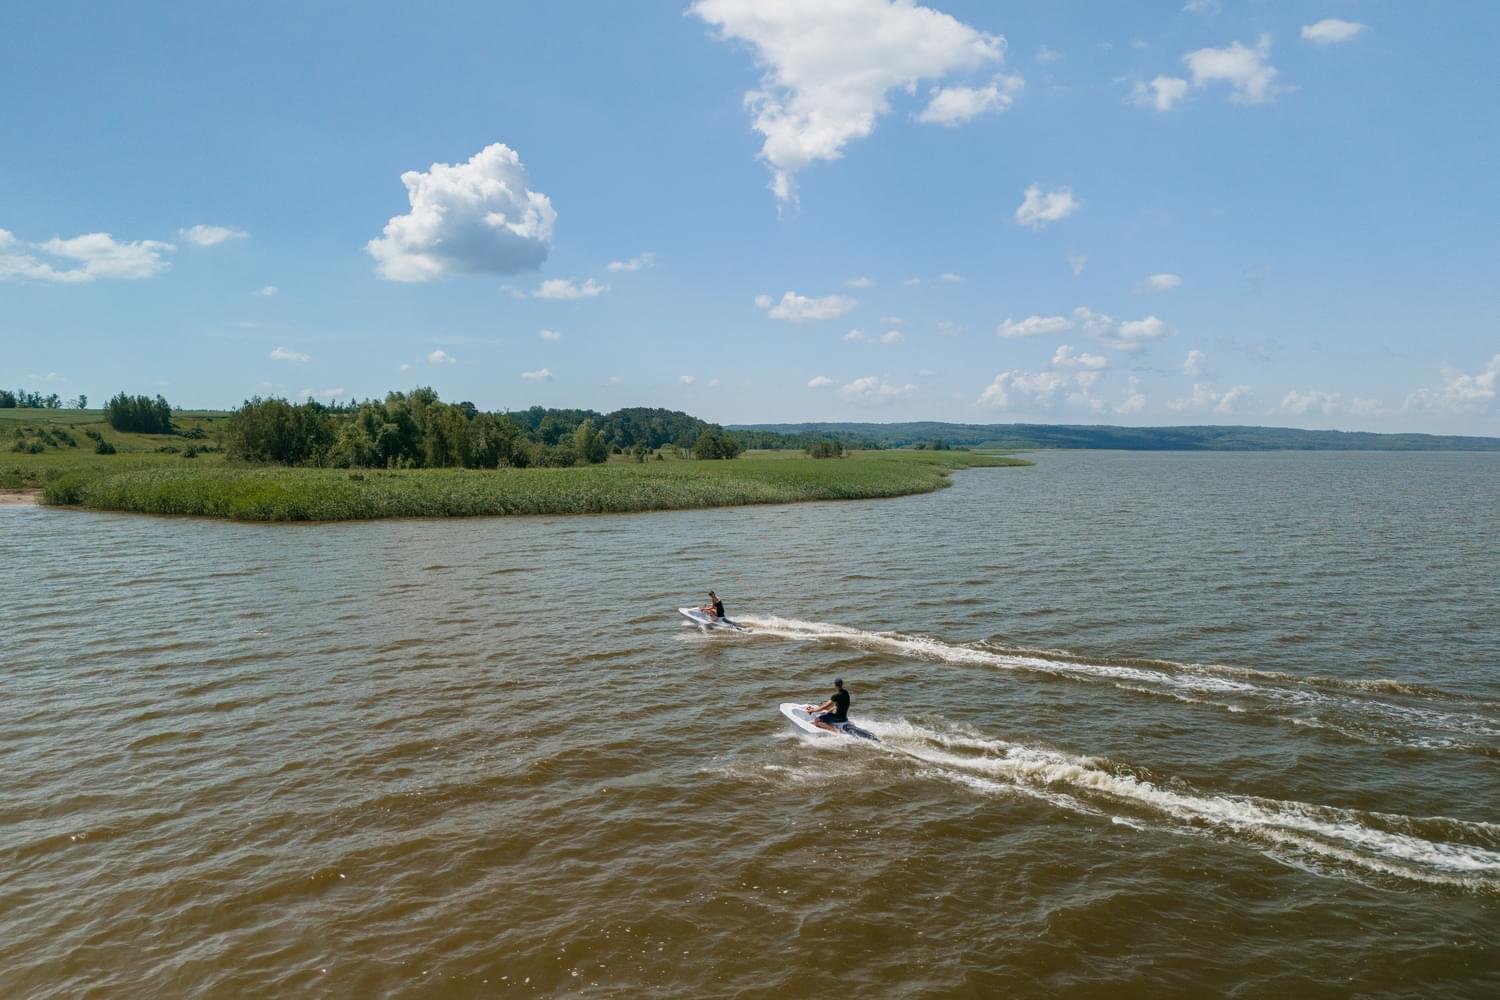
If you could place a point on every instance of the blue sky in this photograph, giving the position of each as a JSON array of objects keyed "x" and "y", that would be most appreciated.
[{"x": 1255, "y": 213}]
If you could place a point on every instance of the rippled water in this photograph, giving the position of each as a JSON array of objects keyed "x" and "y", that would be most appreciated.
[{"x": 1154, "y": 724}]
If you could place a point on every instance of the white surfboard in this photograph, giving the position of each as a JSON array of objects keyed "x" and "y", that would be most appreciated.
[
  {"x": 803, "y": 721},
  {"x": 700, "y": 618}
]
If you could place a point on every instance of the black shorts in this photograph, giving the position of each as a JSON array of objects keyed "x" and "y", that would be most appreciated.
[{"x": 832, "y": 719}]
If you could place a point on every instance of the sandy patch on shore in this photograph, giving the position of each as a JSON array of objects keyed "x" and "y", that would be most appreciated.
[{"x": 20, "y": 498}]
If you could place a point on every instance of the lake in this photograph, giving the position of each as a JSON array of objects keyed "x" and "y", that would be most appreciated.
[{"x": 1152, "y": 724}]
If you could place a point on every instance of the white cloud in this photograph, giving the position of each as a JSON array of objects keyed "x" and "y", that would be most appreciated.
[
  {"x": 1076, "y": 262},
  {"x": 406, "y": 366},
  {"x": 1162, "y": 93},
  {"x": 88, "y": 257},
  {"x": 857, "y": 337},
  {"x": 1160, "y": 283},
  {"x": 947, "y": 328},
  {"x": 891, "y": 320},
  {"x": 1332, "y": 31},
  {"x": 644, "y": 261},
  {"x": 713, "y": 383},
  {"x": 265, "y": 291},
  {"x": 952, "y": 106},
  {"x": 321, "y": 393},
  {"x": 1033, "y": 326},
  {"x": 1460, "y": 392},
  {"x": 830, "y": 64},
  {"x": 1038, "y": 209},
  {"x": 212, "y": 236},
  {"x": 948, "y": 277},
  {"x": 687, "y": 379},
  {"x": 819, "y": 382},
  {"x": 283, "y": 354},
  {"x": 441, "y": 357},
  {"x": 872, "y": 390},
  {"x": 1130, "y": 335},
  {"x": 549, "y": 335},
  {"x": 796, "y": 308},
  {"x": 926, "y": 373},
  {"x": 892, "y": 337},
  {"x": 861, "y": 282},
  {"x": 1135, "y": 401},
  {"x": 567, "y": 290},
  {"x": 1047, "y": 55},
  {"x": 1064, "y": 357},
  {"x": 1195, "y": 365},
  {"x": 910, "y": 282},
  {"x": 1207, "y": 397},
  {"x": 1243, "y": 68},
  {"x": 478, "y": 217},
  {"x": 1201, "y": 6},
  {"x": 1327, "y": 403},
  {"x": 540, "y": 375}
]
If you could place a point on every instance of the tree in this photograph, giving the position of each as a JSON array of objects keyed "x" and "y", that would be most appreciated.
[
  {"x": 79, "y": 403},
  {"x": 139, "y": 414},
  {"x": 589, "y": 444},
  {"x": 7, "y": 400},
  {"x": 714, "y": 443}
]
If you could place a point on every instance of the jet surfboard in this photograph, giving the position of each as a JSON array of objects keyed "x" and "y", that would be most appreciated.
[
  {"x": 703, "y": 620},
  {"x": 802, "y": 720}
]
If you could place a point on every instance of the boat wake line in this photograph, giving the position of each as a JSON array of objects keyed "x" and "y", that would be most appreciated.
[
  {"x": 1329, "y": 840},
  {"x": 1377, "y": 710}
]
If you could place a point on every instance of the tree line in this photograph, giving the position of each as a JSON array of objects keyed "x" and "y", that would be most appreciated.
[
  {"x": 22, "y": 398},
  {"x": 418, "y": 430}
]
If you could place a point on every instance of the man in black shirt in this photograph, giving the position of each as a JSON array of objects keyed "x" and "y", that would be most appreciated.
[
  {"x": 715, "y": 607},
  {"x": 839, "y": 705}
]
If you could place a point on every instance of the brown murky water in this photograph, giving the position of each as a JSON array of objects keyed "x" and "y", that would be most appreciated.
[{"x": 1167, "y": 725}]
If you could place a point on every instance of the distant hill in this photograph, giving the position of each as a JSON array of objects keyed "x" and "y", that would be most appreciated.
[{"x": 1127, "y": 438}]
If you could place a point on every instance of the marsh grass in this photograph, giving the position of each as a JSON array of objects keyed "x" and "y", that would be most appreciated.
[{"x": 301, "y": 494}]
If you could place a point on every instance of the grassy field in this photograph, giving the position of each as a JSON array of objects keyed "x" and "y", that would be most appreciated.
[{"x": 143, "y": 477}]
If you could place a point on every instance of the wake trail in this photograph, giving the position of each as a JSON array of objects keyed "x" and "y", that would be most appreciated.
[
  {"x": 1351, "y": 707},
  {"x": 1331, "y": 840}
]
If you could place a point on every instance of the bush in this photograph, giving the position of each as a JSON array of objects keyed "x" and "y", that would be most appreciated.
[
  {"x": 36, "y": 447},
  {"x": 139, "y": 414},
  {"x": 103, "y": 447}
]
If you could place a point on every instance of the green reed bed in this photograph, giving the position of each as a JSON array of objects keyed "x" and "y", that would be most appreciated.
[{"x": 288, "y": 494}]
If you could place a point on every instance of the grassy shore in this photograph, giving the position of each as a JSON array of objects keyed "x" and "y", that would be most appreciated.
[{"x": 282, "y": 494}]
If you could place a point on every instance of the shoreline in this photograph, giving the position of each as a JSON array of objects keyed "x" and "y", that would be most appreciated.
[{"x": 20, "y": 498}]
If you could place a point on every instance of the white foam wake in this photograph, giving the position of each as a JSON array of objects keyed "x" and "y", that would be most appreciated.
[{"x": 1341, "y": 840}]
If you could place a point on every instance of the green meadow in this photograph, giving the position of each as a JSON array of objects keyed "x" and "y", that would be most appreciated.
[{"x": 142, "y": 477}]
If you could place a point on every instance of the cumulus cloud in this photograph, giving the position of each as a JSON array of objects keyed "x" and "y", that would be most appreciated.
[
  {"x": 1135, "y": 400},
  {"x": 265, "y": 291},
  {"x": 549, "y": 335},
  {"x": 892, "y": 337},
  {"x": 1196, "y": 364},
  {"x": 857, "y": 337},
  {"x": 540, "y": 375},
  {"x": 860, "y": 282},
  {"x": 1162, "y": 93},
  {"x": 910, "y": 282},
  {"x": 952, "y": 106},
  {"x": 1160, "y": 283},
  {"x": 1460, "y": 391},
  {"x": 891, "y": 320},
  {"x": 321, "y": 393},
  {"x": 1332, "y": 31},
  {"x": 1128, "y": 335},
  {"x": 642, "y": 262},
  {"x": 1070, "y": 382},
  {"x": 796, "y": 308},
  {"x": 1047, "y": 55},
  {"x": 212, "y": 236},
  {"x": 1037, "y": 209},
  {"x": 284, "y": 354},
  {"x": 1033, "y": 326},
  {"x": 831, "y": 64},
  {"x": 81, "y": 259},
  {"x": 1064, "y": 357},
  {"x": 819, "y": 382},
  {"x": 687, "y": 379},
  {"x": 1315, "y": 401},
  {"x": 1206, "y": 398},
  {"x": 479, "y": 217},
  {"x": 567, "y": 289},
  {"x": 1245, "y": 69},
  {"x": 872, "y": 390},
  {"x": 441, "y": 357},
  {"x": 948, "y": 277}
]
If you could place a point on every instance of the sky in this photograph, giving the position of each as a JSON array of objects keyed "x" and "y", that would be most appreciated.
[{"x": 1218, "y": 212}]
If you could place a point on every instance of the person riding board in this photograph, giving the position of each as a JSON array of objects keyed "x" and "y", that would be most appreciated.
[
  {"x": 715, "y": 608},
  {"x": 835, "y": 710}
]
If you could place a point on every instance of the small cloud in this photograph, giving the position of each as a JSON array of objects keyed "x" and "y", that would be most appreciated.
[
  {"x": 1064, "y": 357},
  {"x": 441, "y": 357},
  {"x": 947, "y": 328},
  {"x": 265, "y": 291},
  {"x": 92, "y": 256},
  {"x": 282, "y": 354},
  {"x": 540, "y": 375},
  {"x": 892, "y": 337},
  {"x": 567, "y": 289},
  {"x": 321, "y": 393},
  {"x": 910, "y": 282},
  {"x": 952, "y": 106},
  {"x": 891, "y": 320},
  {"x": 1135, "y": 401},
  {"x": 1047, "y": 55},
  {"x": 1332, "y": 31},
  {"x": 873, "y": 390},
  {"x": 643, "y": 262},
  {"x": 1206, "y": 398},
  {"x": 406, "y": 366},
  {"x": 1162, "y": 93},
  {"x": 615, "y": 380},
  {"x": 1195, "y": 365},
  {"x": 948, "y": 277},
  {"x": 1076, "y": 262},
  {"x": 212, "y": 236},
  {"x": 857, "y": 337},
  {"x": 819, "y": 381},
  {"x": 1201, "y": 6},
  {"x": 1160, "y": 283},
  {"x": 713, "y": 383},
  {"x": 1038, "y": 208},
  {"x": 860, "y": 282},
  {"x": 1033, "y": 326},
  {"x": 549, "y": 335},
  {"x": 796, "y": 308},
  {"x": 687, "y": 379},
  {"x": 1244, "y": 68},
  {"x": 926, "y": 373}
]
